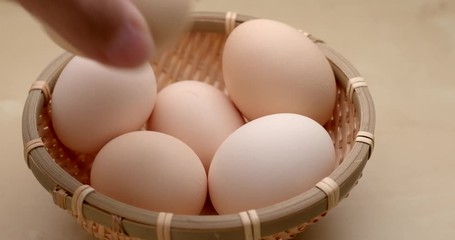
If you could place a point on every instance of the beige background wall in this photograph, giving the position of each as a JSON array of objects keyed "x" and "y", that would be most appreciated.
[{"x": 405, "y": 50}]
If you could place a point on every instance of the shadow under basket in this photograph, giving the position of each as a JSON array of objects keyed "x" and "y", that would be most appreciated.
[{"x": 198, "y": 56}]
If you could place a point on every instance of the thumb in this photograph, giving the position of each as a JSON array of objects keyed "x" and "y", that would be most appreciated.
[{"x": 109, "y": 31}]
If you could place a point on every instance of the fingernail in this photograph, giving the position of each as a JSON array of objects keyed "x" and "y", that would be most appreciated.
[{"x": 130, "y": 47}]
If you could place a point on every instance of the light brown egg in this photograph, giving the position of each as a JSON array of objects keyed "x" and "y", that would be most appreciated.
[
  {"x": 198, "y": 114},
  {"x": 270, "y": 67},
  {"x": 153, "y": 171}
]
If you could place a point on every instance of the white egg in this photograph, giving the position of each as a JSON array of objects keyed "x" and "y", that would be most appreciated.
[
  {"x": 269, "y": 160},
  {"x": 93, "y": 103}
]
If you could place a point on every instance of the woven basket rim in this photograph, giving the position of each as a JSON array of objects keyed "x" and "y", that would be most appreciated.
[{"x": 304, "y": 206}]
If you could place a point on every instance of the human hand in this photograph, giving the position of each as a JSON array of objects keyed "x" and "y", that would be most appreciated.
[{"x": 109, "y": 31}]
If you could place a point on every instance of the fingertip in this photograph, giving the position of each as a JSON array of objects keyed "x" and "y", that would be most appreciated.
[
  {"x": 130, "y": 46},
  {"x": 113, "y": 32}
]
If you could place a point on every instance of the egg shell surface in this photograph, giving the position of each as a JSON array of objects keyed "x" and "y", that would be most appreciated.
[
  {"x": 269, "y": 160},
  {"x": 270, "y": 67},
  {"x": 197, "y": 113},
  {"x": 93, "y": 103},
  {"x": 153, "y": 171}
]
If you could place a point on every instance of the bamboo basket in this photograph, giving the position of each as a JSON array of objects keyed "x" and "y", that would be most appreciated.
[{"x": 65, "y": 175}]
